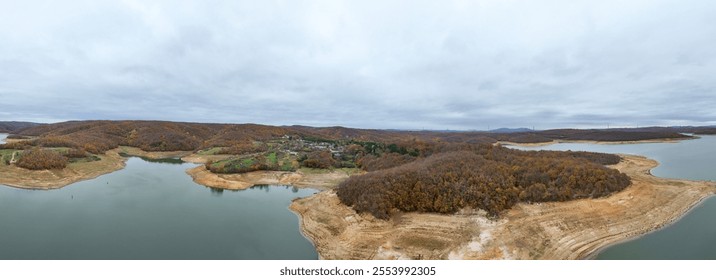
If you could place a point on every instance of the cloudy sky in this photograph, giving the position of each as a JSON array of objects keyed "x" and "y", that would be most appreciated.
[{"x": 367, "y": 64}]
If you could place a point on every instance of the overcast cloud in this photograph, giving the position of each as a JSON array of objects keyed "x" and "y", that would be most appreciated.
[{"x": 368, "y": 64}]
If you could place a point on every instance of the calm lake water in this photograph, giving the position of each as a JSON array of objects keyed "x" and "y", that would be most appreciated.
[
  {"x": 2, "y": 138},
  {"x": 693, "y": 236},
  {"x": 151, "y": 210}
]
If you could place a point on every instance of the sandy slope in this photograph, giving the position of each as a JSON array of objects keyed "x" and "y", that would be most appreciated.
[{"x": 559, "y": 230}]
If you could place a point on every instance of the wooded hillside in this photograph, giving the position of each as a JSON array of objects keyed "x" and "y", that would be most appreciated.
[
  {"x": 99, "y": 136},
  {"x": 491, "y": 178}
]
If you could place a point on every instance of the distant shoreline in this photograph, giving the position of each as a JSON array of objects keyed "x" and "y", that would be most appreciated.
[{"x": 542, "y": 144}]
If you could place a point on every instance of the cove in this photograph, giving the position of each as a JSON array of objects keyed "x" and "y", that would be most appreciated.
[
  {"x": 691, "y": 237},
  {"x": 151, "y": 210}
]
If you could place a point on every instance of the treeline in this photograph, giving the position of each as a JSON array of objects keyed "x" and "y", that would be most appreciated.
[
  {"x": 243, "y": 147},
  {"x": 491, "y": 178},
  {"x": 99, "y": 136}
]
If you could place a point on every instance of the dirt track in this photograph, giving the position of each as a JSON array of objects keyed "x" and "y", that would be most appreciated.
[{"x": 559, "y": 230}]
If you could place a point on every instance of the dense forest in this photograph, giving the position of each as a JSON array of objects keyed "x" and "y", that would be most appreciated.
[{"x": 491, "y": 178}]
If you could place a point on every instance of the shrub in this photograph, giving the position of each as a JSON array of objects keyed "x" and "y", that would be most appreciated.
[{"x": 321, "y": 159}]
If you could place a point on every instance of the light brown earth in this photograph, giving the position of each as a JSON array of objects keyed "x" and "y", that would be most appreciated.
[
  {"x": 201, "y": 159},
  {"x": 322, "y": 180},
  {"x": 14, "y": 176},
  {"x": 132, "y": 151},
  {"x": 558, "y": 230}
]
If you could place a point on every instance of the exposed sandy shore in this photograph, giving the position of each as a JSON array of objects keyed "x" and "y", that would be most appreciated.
[
  {"x": 201, "y": 159},
  {"x": 132, "y": 151},
  {"x": 558, "y": 230},
  {"x": 317, "y": 180},
  {"x": 54, "y": 179}
]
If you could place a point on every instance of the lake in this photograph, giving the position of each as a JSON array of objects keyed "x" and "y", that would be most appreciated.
[
  {"x": 2, "y": 138},
  {"x": 151, "y": 210},
  {"x": 693, "y": 236}
]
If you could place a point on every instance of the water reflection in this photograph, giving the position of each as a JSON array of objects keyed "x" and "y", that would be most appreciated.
[
  {"x": 267, "y": 188},
  {"x": 216, "y": 191},
  {"x": 261, "y": 187}
]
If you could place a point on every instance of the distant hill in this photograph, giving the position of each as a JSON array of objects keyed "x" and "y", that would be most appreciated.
[
  {"x": 510, "y": 130},
  {"x": 11, "y": 127},
  {"x": 171, "y": 136}
]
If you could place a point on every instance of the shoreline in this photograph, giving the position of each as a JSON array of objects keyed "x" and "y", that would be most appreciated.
[
  {"x": 678, "y": 217},
  {"x": 301, "y": 227},
  {"x": 575, "y": 229},
  {"x": 542, "y": 144}
]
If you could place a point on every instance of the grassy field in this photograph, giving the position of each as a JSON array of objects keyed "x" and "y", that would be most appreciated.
[{"x": 6, "y": 155}]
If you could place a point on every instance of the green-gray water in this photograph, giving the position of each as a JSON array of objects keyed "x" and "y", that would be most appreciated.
[
  {"x": 151, "y": 211},
  {"x": 2, "y": 138},
  {"x": 693, "y": 236}
]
